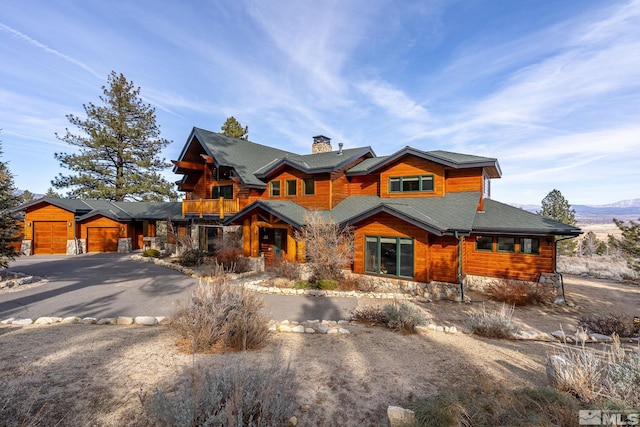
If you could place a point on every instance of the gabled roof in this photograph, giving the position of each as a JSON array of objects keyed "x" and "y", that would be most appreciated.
[
  {"x": 502, "y": 218},
  {"x": 438, "y": 215},
  {"x": 118, "y": 211},
  {"x": 290, "y": 212},
  {"x": 316, "y": 163},
  {"x": 446, "y": 158},
  {"x": 245, "y": 157}
]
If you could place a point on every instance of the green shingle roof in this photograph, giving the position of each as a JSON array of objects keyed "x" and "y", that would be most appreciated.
[
  {"x": 501, "y": 218},
  {"x": 290, "y": 212}
]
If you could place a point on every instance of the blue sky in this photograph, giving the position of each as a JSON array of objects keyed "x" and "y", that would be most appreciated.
[{"x": 550, "y": 88}]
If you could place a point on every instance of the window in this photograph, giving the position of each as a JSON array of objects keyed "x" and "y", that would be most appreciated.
[
  {"x": 309, "y": 186},
  {"x": 225, "y": 191},
  {"x": 484, "y": 243},
  {"x": 529, "y": 245},
  {"x": 292, "y": 187},
  {"x": 392, "y": 256},
  {"x": 411, "y": 184},
  {"x": 487, "y": 187},
  {"x": 506, "y": 244},
  {"x": 275, "y": 188}
]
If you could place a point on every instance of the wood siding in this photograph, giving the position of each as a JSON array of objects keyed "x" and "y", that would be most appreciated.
[
  {"x": 364, "y": 185},
  {"x": 388, "y": 226},
  {"x": 443, "y": 252},
  {"x": 322, "y": 191},
  {"x": 413, "y": 166},
  {"x": 508, "y": 265},
  {"x": 461, "y": 180}
]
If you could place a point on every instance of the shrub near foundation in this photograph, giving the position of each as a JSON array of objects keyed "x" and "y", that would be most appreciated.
[
  {"x": 519, "y": 293},
  {"x": 221, "y": 318}
]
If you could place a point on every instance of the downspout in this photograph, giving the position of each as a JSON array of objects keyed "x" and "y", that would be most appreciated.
[
  {"x": 459, "y": 238},
  {"x": 555, "y": 263}
]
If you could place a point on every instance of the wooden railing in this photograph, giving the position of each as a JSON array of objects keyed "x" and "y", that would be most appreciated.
[{"x": 201, "y": 207}]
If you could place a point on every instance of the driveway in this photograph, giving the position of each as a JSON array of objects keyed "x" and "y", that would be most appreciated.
[{"x": 112, "y": 285}]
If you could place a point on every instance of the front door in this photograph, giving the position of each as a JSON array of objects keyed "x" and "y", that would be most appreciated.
[{"x": 278, "y": 238}]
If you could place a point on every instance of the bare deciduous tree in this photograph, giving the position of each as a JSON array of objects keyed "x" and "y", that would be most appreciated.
[{"x": 328, "y": 246}]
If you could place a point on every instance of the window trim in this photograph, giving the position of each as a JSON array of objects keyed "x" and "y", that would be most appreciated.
[
  {"x": 271, "y": 188},
  {"x": 286, "y": 187},
  {"x": 304, "y": 187},
  {"x": 420, "y": 178},
  {"x": 398, "y": 239},
  {"x": 478, "y": 237}
]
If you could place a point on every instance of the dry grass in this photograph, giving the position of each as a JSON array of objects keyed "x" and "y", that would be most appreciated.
[
  {"x": 620, "y": 324},
  {"x": 492, "y": 324},
  {"x": 610, "y": 267},
  {"x": 519, "y": 294},
  {"x": 400, "y": 317},
  {"x": 221, "y": 318}
]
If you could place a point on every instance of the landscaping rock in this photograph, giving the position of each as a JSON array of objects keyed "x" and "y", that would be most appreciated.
[
  {"x": 555, "y": 366},
  {"x": 323, "y": 329},
  {"x": 124, "y": 320},
  {"x": 145, "y": 321},
  {"x": 107, "y": 321},
  {"x": 309, "y": 330},
  {"x": 559, "y": 335},
  {"x": 299, "y": 329},
  {"x": 273, "y": 328},
  {"x": 44, "y": 321},
  {"x": 284, "y": 328},
  {"x": 89, "y": 320},
  {"x": 22, "y": 322},
  {"x": 7, "y": 321},
  {"x": 399, "y": 417},
  {"x": 332, "y": 331},
  {"x": 68, "y": 320},
  {"x": 600, "y": 338},
  {"x": 343, "y": 331}
]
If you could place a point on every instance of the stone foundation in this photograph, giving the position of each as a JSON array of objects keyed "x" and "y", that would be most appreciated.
[
  {"x": 432, "y": 290},
  {"x": 124, "y": 245},
  {"x": 76, "y": 246},
  {"x": 483, "y": 283},
  {"x": 26, "y": 247}
]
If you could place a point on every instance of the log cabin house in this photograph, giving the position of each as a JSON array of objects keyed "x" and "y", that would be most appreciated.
[{"x": 416, "y": 215}]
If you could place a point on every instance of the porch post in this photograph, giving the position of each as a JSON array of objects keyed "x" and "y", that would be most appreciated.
[
  {"x": 255, "y": 236},
  {"x": 291, "y": 245},
  {"x": 246, "y": 237}
]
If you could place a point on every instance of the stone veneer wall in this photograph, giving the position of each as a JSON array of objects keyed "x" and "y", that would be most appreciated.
[
  {"x": 483, "y": 283},
  {"x": 76, "y": 246},
  {"x": 26, "y": 247},
  {"x": 124, "y": 245},
  {"x": 432, "y": 290}
]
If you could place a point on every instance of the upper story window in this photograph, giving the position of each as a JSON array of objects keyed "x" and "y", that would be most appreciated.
[
  {"x": 529, "y": 245},
  {"x": 275, "y": 189},
  {"x": 308, "y": 186},
  {"x": 402, "y": 184},
  {"x": 225, "y": 191},
  {"x": 487, "y": 187},
  {"x": 292, "y": 187}
]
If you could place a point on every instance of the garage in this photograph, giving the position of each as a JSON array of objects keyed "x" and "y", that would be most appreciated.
[
  {"x": 102, "y": 239},
  {"x": 49, "y": 237}
]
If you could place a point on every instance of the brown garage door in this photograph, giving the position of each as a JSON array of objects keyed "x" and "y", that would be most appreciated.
[
  {"x": 102, "y": 239},
  {"x": 49, "y": 237}
]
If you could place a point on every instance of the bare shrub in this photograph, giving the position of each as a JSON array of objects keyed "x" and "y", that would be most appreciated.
[
  {"x": 519, "y": 293},
  {"x": 400, "y": 317},
  {"x": 488, "y": 405},
  {"x": 285, "y": 269},
  {"x": 355, "y": 283},
  {"x": 404, "y": 317},
  {"x": 495, "y": 324},
  {"x": 328, "y": 246},
  {"x": 221, "y": 318},
  {"x": 192, "y": 257},
  {"x": 619, "y": 324},
  {"x": 612, "y": 377},
  {"x": 238, "y": 394}
]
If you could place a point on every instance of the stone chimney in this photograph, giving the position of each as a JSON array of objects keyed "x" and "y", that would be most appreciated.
[{"x": 321, "y": 144}]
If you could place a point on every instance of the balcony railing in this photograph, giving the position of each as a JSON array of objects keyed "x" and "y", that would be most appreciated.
[{"x": 201, "y": 207}]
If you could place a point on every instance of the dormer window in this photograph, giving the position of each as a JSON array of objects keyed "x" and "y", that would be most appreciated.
[
  {"x": 309, "y": 186},
  {"x": 292, "y": 187},
  {"x": 275, "y": 188},
  {"x": 408, "y": 184}
]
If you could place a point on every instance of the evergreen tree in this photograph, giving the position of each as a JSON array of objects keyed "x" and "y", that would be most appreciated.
[
  {"x": 629, "y": 243},
  {"x": 234, "y": 129},
  {"x": 9, "y": 224},
  {"x": 118, "y": 149},
  {"x": 52, "y": 193},
  {"x": 27, "y": 196},
  {"x": 556, "y": 207}
]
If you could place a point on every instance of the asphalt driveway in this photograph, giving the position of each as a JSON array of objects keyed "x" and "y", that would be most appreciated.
[{"x": 112, "y": 285}]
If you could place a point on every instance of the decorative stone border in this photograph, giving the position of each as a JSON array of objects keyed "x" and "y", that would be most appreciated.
[{"x": 12, "y": 279}]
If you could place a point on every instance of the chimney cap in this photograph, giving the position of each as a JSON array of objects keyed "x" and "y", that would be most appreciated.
[{"x": 321, "y": 138}]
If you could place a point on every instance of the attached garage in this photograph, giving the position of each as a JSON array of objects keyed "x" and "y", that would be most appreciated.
[
  {"x": 102, "y": 239},
  {"x": 49, "y": 237}
]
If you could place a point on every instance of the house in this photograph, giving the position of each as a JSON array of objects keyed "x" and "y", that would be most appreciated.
[
  {"x": 72, "y": 226},
  {"x": 417, "y": 215}
]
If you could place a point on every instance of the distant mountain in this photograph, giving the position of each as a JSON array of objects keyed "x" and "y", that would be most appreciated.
[{"x": 624, "y": 210}]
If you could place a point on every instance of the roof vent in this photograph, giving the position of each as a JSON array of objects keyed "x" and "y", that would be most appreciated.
[
  {"x": 321, "y": 144},
  {"x": 340, "y": 145}
]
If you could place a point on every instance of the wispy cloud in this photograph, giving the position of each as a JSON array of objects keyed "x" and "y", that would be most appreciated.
[
  {"x": 393, "y": 100},
  {"x": 48, "y": 49}
]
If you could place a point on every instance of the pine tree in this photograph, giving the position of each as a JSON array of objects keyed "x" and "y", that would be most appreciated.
[
  {"x": 234, "y": 129},
  {"x": 629, "y": 243},
  {"x": 52, "y": 193},
  {"x": 27, "y": 196},
  {"x": 9, "y": 224},
  {"x": 556, "y": 207},
  {"x": 118, "y": 149}
]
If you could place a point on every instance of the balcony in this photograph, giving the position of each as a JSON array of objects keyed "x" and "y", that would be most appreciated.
[{"x": 219, "y": 207}]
